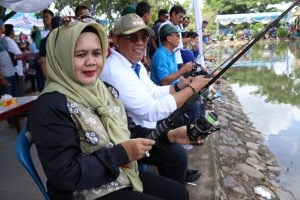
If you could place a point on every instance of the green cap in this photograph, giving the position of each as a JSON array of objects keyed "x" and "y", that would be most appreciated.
[
  {"x": 128, "y": 9},
  {"x": 129, "y": 24},
  {"x": 167, "y": 29}
]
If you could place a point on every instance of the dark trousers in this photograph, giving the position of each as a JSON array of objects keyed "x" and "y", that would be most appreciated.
[
  {"x": 171, "y": 162},
  {"x": 40, "y": 78},
  {"x": 20, "y": 86},
  {"x": 155, "y": 188},
  {"x": 32, "y": 79},
  {"x": 11, "y": 88}
]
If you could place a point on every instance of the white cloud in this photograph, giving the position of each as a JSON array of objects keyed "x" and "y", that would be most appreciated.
[{"x": 268, "y": 118}]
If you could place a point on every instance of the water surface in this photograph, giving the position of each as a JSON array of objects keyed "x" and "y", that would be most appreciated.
[{"x": 267, "y": 83}]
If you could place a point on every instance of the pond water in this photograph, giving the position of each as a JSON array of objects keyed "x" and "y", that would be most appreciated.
[{"x": 267, "y": 82}]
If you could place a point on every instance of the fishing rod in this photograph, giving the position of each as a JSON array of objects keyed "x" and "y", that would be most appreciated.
[
  {"x": 165, "y": 125},
  {"x": 244, "y": 49}
]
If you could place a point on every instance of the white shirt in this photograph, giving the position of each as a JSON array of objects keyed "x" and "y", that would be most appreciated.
[
  {"x": 14, "y": 48},
  {"x": 33, "y": 48},
  {"x": 44, "y": 33},
  {"x": 145, "y": 102}
]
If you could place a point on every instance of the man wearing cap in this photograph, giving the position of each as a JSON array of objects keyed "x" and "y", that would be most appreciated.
[
  {"x": 164, "y": 69},
  {"x": 145, "y": 102},
  {"x": 177, "y": 13},
  {"x": 7, "y": 69}
]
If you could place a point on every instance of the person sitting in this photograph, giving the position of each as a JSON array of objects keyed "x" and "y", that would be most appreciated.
[
  {"x": 187, "y": 53},
  {"x": 145, "y": 102},
  {"x": 164, "y": 69},
  {"x": 80, "y": 130}
]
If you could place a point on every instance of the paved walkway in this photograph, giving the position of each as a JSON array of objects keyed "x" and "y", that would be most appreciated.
[{"x": 15, "y": 183}]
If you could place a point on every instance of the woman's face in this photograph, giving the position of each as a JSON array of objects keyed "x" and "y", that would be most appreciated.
[{"x": 88, "y": 58}]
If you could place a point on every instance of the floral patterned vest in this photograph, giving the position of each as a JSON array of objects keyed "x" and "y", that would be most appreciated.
[{"x": 93, "y": 137}]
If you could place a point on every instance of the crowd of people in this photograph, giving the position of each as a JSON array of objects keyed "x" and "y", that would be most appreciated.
[{"x": 102, "y": 97}]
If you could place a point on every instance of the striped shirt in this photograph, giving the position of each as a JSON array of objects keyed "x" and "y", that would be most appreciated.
[{"x": 6, "y": 66}]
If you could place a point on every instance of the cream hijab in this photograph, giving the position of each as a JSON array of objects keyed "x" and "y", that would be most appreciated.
[{"x": 61, "y": 78}]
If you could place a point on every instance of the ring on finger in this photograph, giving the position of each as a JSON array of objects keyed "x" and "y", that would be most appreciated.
[{"x": 147, "y": 154}]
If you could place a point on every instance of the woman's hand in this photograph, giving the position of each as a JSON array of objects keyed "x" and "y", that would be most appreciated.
[{"x": 136, "y": 148}]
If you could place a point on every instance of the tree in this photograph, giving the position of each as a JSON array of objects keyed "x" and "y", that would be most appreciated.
[
  {"x": 112, "y": 8},
  {"x": 5, "y": 16},
  {"x": 109, "y": 8}
]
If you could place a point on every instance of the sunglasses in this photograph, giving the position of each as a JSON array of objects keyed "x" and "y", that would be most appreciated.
[
  {"x": 72, "y": 20},
  {"x": 136, "y": 37}
]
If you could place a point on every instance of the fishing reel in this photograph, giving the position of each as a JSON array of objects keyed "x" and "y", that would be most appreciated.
[
  {"x": 203, "y": 126},
  {"x": 197, "y": 68},
  {"x": 211, "y": 94}
]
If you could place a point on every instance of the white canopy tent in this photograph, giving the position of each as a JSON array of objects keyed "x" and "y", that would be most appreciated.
[
  {"x": 25, "y": 20},
  {"x": 249, "y": 18},
  {"x": 25, "y": 5}
]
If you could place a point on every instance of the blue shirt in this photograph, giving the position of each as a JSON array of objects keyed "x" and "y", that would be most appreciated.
[
  {"x": 187, "y": 55},
  {"x": 163, "y": 64}
]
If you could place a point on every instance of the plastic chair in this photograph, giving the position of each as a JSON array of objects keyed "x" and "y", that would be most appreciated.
[{"x": 23, "y": 145}]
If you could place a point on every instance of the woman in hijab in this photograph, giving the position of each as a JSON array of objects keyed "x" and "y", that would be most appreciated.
[{"x": 80, "y": 130}]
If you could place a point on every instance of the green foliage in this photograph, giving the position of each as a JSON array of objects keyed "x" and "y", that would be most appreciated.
[
  {"x": 276, "y": 88},
  {"x": 110, "y": 9},
  {"x": 281, "y": 32},
  {"x": 240, "y": 27},
  {"x": 256, "y": 28}
]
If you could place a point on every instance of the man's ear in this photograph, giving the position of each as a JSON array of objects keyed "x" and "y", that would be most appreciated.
[
  {"x": 169, "y": 38},
  {"x": 115, "y": 40}
]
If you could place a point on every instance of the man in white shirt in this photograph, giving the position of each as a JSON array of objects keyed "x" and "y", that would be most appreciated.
[
  {"x": 14, "y": 48},
  {"x": 177, "y": 14},
  {"x": 145, "y": 102},
  {"x": 7, "y": 69}
]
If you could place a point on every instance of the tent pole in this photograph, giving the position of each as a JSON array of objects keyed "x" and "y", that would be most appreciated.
[
  {"x": 218, "y": 29},
  {"x": 198, "y": 17}
]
